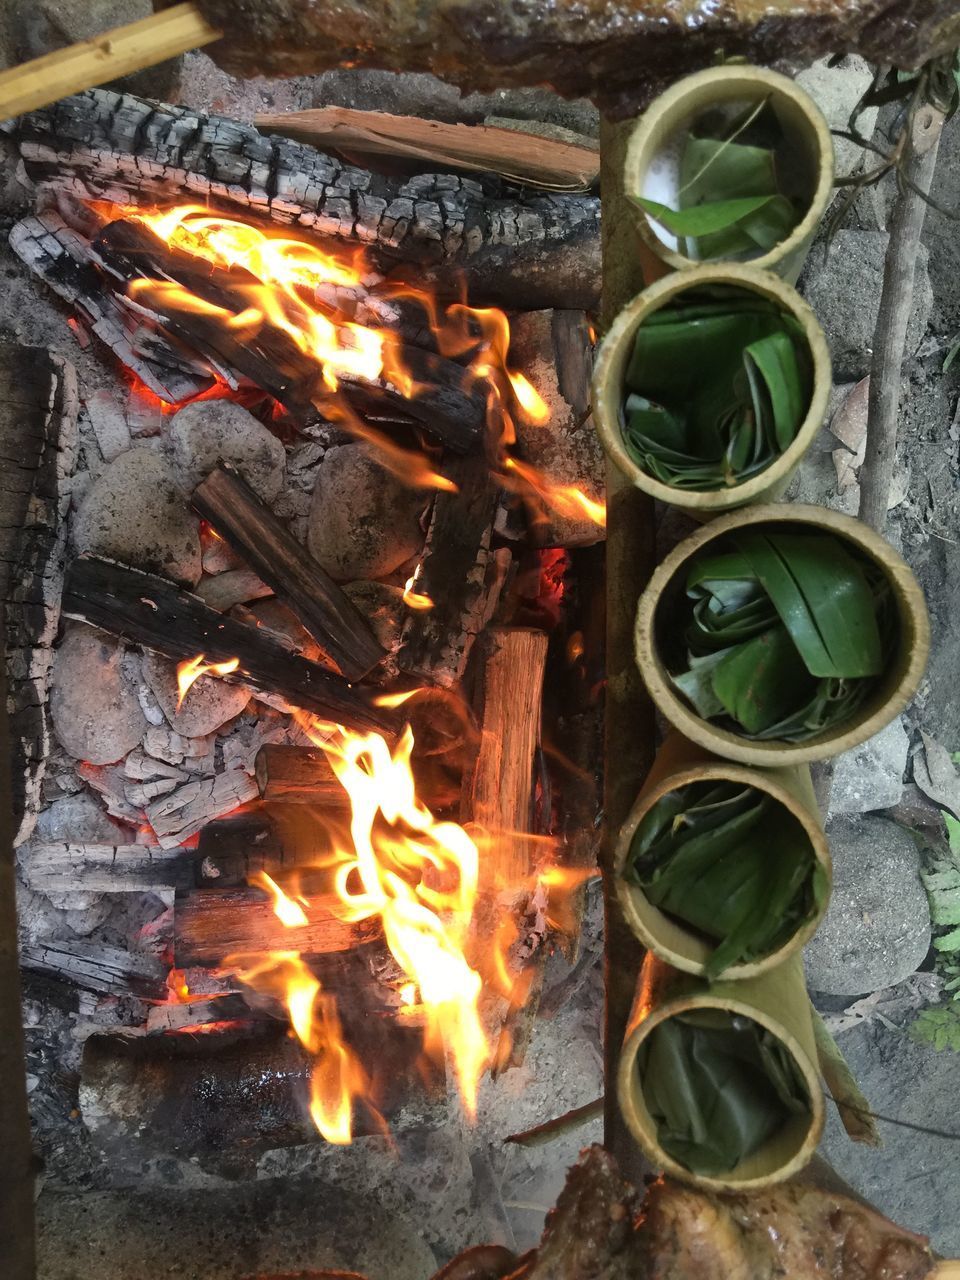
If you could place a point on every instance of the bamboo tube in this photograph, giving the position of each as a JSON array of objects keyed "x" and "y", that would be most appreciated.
[
  {"x": 678, "y": 764},
  {"x": 91, "y": 62},
  {"x": 893, "y": 690},
  {"x": 778, "y": 1001},
  {"x": 665, "y": 123},
  {"x": 613, "y": 357}
]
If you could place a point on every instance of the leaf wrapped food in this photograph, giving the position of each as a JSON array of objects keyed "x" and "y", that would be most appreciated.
[
  {"x": 731, "y": 863},
  {"x": 718, "y": 1086},
  {"x": 787, "y": 633},
  {"x": 717, "y": 387}
]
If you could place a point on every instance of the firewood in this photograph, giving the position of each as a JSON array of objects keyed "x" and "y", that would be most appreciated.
[
  {"x": 104, "y": 868},
  {"x": 298, "y": 775},
  {"x": 521, "y": 250},
  {"x": 162, "y": 617},
  {"x": 38, "y": 432},
  {"x": 250, "y": 527},
  {"x": 164, "y": 1018},
  {"x": 95, "y": 967},
  {"x": 232, "y": 849},
  {"x": 500, "y": 792},
  {"x": 210, "y": 924},
  {"x": 457, "y": 574}
]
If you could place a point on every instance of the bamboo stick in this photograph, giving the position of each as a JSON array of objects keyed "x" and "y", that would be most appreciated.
[{"x": 115, "y": 53}]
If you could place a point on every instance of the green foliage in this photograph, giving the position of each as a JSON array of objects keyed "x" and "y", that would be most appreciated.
[
  {"x": 717, "y": 387},
  {"x": 718, "y": 1087},
  {"x": 787, "y": 633},
  {"x": 731, "y": 863},
  {"x": 939, "y": 1027}
]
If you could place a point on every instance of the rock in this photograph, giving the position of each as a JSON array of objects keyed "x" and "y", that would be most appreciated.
[
  {"x": 871, "y": 775},
  {"x": 209, "y": 703},
  {"x": 383, "y": 608},
  {"x": 93, "y": 697},
  {"x": 135, "y": 513},
  {"x": 276, "y": 617},
  {"x": 235, "y": 586},
  {"x": 877, "y": 928},
  {"x": 77, "y": 819},
  {"x": 207, "y": 432},
  {"x": 836, "y": 90},
  {"x": 363, "y": 522},
  {"x": 844, "y": 291}
]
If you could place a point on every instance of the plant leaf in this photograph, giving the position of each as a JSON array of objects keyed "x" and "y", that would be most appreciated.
[
  {"x": 756, "y": 682},
  {"x": 703, "y": 219}
]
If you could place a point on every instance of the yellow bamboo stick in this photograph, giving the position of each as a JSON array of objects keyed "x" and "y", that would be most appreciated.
[{"x": 91, "y": 62}]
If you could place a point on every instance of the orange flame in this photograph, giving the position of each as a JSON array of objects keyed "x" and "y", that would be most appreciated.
[
  {"x": 287, "y": 911},
  {"x": 565, "y": 499},
  {"x": 192, "y": 669},
  {"x": 530, "y": 400},
  {"x": 415, "y": 599}
]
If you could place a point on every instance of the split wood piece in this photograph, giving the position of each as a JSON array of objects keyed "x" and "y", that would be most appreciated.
[
  {"x": 566, "y": 163},
  {"x": 499, "y": 794},
  {"x": 445, "y": 403},
  {"x": 104, "y": 868},
  {"x": 117, "y": 52},
  {"x": 458, "y": 573},
  {"x": 211, "y": 924},
  {"x": 162, "y": 1019},
  {"x": 160, "y": 616},
  {"x": 299, "y": 775},
  {"x": 38, "y": 435},
  {"x": 67, "y": 264},
  {"x": 180, "y": 814},
  {"x": 228, "y": 503},
  {"x": 94, "y": 967},
  {"x": 522, "y": 250}
]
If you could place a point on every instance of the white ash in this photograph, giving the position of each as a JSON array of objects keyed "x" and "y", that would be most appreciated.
[
  {"x": 144, "y": 414},
  {"x": 209, "y": 432},
  {"x": 209, "y": 703},
  {"x": 135, "y": 513},
  {"x": 153, "y": 712},
  {"x": 97, "y": 719},
  {"x": 109, "y": 423},
  {"x": 143, "y": 768}
]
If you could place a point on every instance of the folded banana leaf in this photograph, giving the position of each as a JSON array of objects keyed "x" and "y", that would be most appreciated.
[
  {"x": 787, "y": 633},
  {"x": 718, "y": 1086},
  {"x": 730, "y": 202},
  {"x": 717, "y": 387},
  {"x": 729, "y": 862}
]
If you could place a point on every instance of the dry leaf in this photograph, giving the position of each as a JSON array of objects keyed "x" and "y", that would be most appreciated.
[
  {"x": 849, "y": 425},
  {"x": 936, "y": 775}
]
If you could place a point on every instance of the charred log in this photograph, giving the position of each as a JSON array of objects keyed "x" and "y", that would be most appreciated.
[
  {"x": 104, "y": 868},
  {"x": 95, "y": 967},
  {"x": 299, "y": 775},
  {"x": 38, "y": 425},
  {"x": 525, "y": 251},
  {"x": 250, "y": 527},
  {"x": 160, "y": 616}
]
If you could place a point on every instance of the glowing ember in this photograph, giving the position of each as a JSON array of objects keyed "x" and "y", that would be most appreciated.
[
  {"x": 190, "y": 671},
  {"x": 415, "y": 599}
]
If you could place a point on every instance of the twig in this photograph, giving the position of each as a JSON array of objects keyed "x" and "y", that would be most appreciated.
[
  {"x": 570, "y": 1120},
  {"x": 896, "y": 303}
]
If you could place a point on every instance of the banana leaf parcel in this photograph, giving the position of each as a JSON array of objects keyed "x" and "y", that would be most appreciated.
[
  {"x": 786, "y": 633},
  {"x": 731, "y": 863},
  {"x": 718, "y": 1086},
  {"x": 719, "y": 383},
  {"x": 730, "y": 201}
]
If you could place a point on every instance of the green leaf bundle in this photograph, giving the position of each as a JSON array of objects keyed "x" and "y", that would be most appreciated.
[
  {"x": 730, "y": 201},
  {"x": 787, "y": 633},
  {"x": 717, "y": 1086},
  {"x": 731, "y": 863},
  {"x": 718, "y": 385}
]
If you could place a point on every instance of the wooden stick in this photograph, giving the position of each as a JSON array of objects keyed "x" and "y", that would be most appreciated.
[
  {"x": 250, "y": 527},
  {"x": 298, "y": 775},
  {"x": 211, "y": 924},
  {"x": 116, "y": 53},
  {"x": 155, "y": 613}
]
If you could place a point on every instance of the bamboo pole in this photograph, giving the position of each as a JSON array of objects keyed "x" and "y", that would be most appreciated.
[{"x": 115, "y": 53}]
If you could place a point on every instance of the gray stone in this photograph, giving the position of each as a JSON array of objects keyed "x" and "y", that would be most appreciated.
[
  {"x": 212, "y": 431},
  {"x": 871, "y": 775},
  {"x": 383, "y": 608},
  {"x": 836, "y": 90},
  {"x": 93, "y": 697},
  {"x": 844, "y": 291},
  {"x": 210, "y": 702},
  {"x": 363, "y": 522},
  {"x": 136, "y": 513},
  {"x": 77, "y": 819},
  {"x": 877, "y": 928}
]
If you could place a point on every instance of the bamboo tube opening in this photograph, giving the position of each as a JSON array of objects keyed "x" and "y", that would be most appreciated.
[
  {"x": 777, "y": 1000},
  {"x": 680, "y": 763},
  {"x": 613, "y": 357},
  {"x": 652, "y": 159},
  {"x": 892, "y": 690}
]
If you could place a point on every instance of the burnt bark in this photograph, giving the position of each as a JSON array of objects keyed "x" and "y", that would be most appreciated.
[{"x": 522, "y": 250}]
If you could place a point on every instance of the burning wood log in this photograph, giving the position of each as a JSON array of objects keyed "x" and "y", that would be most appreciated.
[
  {"x": 38, "y": 428},
  {"x": 232, "y": 849},
  {"x": 299, "y": 775},
  {"x": 160, "y": 616},
  {"x": 524, "y": 251},
  {"x": 95, "y": 967},
  {"x": 196, "y": 1014},
  {"x": 458, "y": 578},
  {"x": 210, "y": 924},
  {"x": 104, "y": 868},
  {"x": 247, "y": 524}
]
